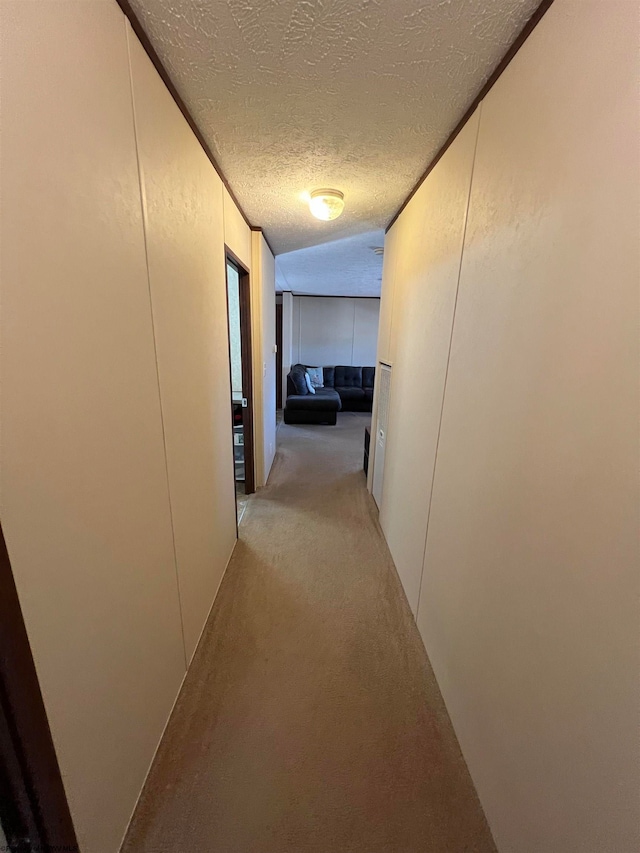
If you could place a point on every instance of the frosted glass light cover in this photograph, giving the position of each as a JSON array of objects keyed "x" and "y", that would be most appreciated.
[{"x": 326, "y": 204}]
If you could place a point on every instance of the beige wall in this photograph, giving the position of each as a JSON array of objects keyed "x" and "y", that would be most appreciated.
[
  {"x": 263, "y": 318},
  {"x": 237, "y": 234},
  {"x": 529, "y": 588},
  {"x": 335, "y": 330},
  {"x": 116, "y": 471},
  {"x": 287, "y": 339},
  {"x": 183, "y": 210},
  {"x": 426, "y": 282},
  {"x": 251, "y": 249}
]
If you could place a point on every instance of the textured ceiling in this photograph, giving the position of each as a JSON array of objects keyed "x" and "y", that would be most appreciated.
[
  {"x": 293, "y": 95},
  {"x": 347, "y": 267}
]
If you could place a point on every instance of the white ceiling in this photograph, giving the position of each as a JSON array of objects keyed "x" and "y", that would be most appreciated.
[
  {"x": 346, "y": 267},
  {"x": 293, "y": 95}
]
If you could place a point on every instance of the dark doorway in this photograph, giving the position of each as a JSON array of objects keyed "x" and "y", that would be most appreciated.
[
  {"x": 240, "y": 355},
  {"x": 34, "y": 814},
  {"x": 279, "y": 354}
]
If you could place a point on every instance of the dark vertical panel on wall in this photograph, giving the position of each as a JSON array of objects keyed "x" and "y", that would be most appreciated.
[
  {"x": 279, "y": 356},
  {"x": 33, "y": 796}
]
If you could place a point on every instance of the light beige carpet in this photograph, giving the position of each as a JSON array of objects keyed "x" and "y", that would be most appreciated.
[{"x": 310, "y": 721}]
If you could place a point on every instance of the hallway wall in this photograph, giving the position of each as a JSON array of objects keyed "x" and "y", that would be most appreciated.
[
  {"x": 526, "y": 597},
  {"x": 116, "y": 458},
  {"x": 263, "y": 321},
  {"x": 183, "y": 214}
]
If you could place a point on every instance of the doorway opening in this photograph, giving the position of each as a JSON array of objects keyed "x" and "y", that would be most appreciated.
[
  {"x": 34, "y": 814},
  {"x": 239, "y": 324},
  {"x": 279, "y": 316}
]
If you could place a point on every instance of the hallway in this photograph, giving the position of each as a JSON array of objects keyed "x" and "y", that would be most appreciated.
[{"x": 310, "y": 719}]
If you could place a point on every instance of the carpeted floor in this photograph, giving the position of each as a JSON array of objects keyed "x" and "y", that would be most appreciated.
[{"x": 310, "y": 721}]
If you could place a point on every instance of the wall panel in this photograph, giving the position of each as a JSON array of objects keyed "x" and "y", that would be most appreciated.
[
  {"x": 263, "y": 287},
  {"x": 185, "y": 246},
  {"x": 528, "y": 604},
  {"x": 531, "y": 578},
  {"x": 389, "y": 264},
  {"x": 85, "y": 505},
  {"x": 424, "y": 300},
  {"x": 237, "y": 234},
  {"x": 366, "y": 317},
  {"x": 335, "y": 330},
  {"x": 287, "y": 339}
]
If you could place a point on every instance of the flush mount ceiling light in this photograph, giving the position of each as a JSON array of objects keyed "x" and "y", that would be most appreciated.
[{"x": 326, "y": 204}]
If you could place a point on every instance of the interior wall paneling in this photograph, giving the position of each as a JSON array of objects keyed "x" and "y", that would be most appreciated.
[
  {"x": 287, "y": 339},
  {"x": 264, "y": 338},
  {"x": 237, "y": 234},
  {"x": 531, "y": 22},
  {"x": 326, "y": 330},
  {"x": 424, "y": 296},
  {"x": 145, "y": 41},
  {"x": 529, "y": 597},
  {"x": 389, "y": 268},
  {"x": 85, "y": 501},
  {"x": 366, "y": 317},
  {"x": 383, "y": 348},
  {"x": 183, "y": 211},
  {"x": 335, "y": 330},
  {"x": 295, "y": 334}
]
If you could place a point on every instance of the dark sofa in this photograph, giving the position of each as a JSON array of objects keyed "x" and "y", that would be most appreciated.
[{"x": 346, "y": 388}]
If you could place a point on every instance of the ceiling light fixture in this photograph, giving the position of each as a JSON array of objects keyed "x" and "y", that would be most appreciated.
[{"x": 326, "y": 204}]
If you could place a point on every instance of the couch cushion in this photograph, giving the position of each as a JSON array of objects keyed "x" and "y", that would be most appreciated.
[
  {"x": 350, "y": 394},
  {"x": 325, "y": 399},
  {"x": 329, "y": 375},
  {"x": 368, "y": 375},
  {"x": 368, "y": 394},
  {"x": 299, "y": 380},
  {"x": 348, "y": 377}
]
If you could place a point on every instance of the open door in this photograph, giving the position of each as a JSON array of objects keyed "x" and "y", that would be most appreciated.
[{"x": 239, "y": 317}]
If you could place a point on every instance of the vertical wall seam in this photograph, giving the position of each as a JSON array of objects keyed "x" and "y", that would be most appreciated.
[
  {"x": 353, "y": 330},
  {"x": 446, "y": 373},
  {"x": 144, "y": 209},
  {"x": 393, "y": 302}
]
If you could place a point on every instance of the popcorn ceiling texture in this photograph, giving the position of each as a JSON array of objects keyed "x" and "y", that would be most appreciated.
[
  {"x": 347, "y": 267},
  {"x": 354, "y": 94}
]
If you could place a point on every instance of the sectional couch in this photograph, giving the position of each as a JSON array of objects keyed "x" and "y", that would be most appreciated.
[{"x": 346, "y": 388}]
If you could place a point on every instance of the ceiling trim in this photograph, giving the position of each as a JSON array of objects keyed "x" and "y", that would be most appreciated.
[
  {"x": 166, "y": 79},
  {"x": 328, "y": 296},
  {"x": 524, "y": 34}
]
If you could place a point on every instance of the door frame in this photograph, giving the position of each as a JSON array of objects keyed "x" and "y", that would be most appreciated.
[
  {"x": 279, "y": 319},
  {"x": 36, "y": 806},
  {"x": 246, "y": 349}
]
